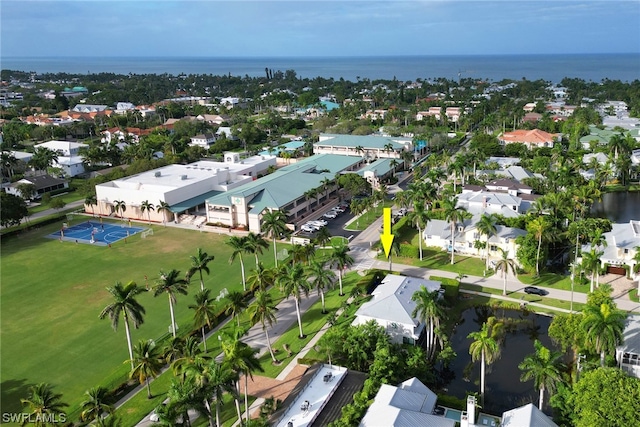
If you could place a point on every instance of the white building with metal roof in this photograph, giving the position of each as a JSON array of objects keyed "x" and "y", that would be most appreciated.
[
  {"x": 182, "y": 187},
  {"x": 526, "y": 416},
  {"x": 391, "y": 307},
  {"x": 628, "y": 353},
  {"x": 285, "y": 189},
  {"x": 69, "y": 158},
  {"x": 410, "y": 404}
]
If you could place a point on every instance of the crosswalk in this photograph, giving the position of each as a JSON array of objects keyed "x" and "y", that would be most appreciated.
[{"x": 361, "y": 257}]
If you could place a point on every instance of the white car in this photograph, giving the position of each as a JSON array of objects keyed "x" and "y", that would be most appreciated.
[
  {"x": 318, "y": 222},
  {"x": 337, "y": 209},
  {"x": 308, "y": 228},
  {"x": 330, "y": 215}
]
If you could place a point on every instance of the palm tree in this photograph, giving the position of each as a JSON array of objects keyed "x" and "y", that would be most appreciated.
[
  {"x": 293, "y": 281},
  {"x": 164, "y": 208},
  {"x": 238, "y": 246},
  {"x": 204, "y": 314},
  {"x": 429, "y": 311},
  {"x": 599, "y": 241},
  {"x": 147, "y": 362},
  {"x": 95, "y": 405},
  {"x": 241, "y": 359},
  {"x": 191, "y": 355},
  {"x": 487, "y": 227},
  {"x": 91, "y": 200},
  {"x": 321, "y": 278},
  {"x": 604, "y": 326},
  {"x": 263, "y": 311},
  {"x": 125, "y": 303},
  {"x": 538, "y": 227},
  {"x": 484, "y": 348},
  {"x": 544, "y": 367},
  {"x": 340, "y": 259},
  {"x": 218, "y": 379},
  {"x": 274, "y": 224},
  {"x": 261, "y": 278},
  {"x": 506, "y": 265},
  {"x": 419, "y": 217},
  {"x": 453, "y": 214},
  {"x": 591, "y": 263},
  {"x": 255, "y": 245},
  {"x": 174, "y": 349},
  {"x": 43, "y": 404},
  {"x": 236, "y": 304},
  {"x": 184, "y": 396},
  {"x": 199, "y": 263},
  {"x": 146, "y": 206},
  {"x": 170, "y": 284},
  {"x": 323, "y": 237},
  {"x": 121, "y": 206}
]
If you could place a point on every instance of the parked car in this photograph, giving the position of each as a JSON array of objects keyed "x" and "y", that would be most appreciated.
[
  {"x": 318, "y": 222},
  {"x": 535, "y": 291},
  {"x": 309, "y": 228},
  {"x": 330, "y": 215},
  {"x": 337, "y": 209}
]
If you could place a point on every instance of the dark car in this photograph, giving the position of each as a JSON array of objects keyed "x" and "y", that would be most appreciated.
[{"x": 536, "y": 291}]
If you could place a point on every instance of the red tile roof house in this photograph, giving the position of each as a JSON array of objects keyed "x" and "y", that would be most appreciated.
[{"x": 530, "y": 138}]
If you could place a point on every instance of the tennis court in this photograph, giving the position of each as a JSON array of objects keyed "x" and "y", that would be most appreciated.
[{"x": 94, "y": 233}]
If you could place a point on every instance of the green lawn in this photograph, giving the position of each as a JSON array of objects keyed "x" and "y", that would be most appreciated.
[
  {"x": 52, "y": 293},
  {"x": 552, "y": 280},
  {"x": 440, "y": 260},
  {"x": 67, "y": 197},
  {"x": 368, "y": 218}
]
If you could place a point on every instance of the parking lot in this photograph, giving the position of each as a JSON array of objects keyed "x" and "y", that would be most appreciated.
[{"x": 335, "y": 225}]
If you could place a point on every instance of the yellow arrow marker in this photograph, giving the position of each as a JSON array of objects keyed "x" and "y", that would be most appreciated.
[{"x": 386, "y": 237}]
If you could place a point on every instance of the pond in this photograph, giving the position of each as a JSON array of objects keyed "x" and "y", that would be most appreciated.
[
  {"x": 503, "y": 388},
  {"x": 619, "y": 207}
]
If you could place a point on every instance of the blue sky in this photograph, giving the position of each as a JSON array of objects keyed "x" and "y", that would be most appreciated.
[{"x": 238, "y": 28}]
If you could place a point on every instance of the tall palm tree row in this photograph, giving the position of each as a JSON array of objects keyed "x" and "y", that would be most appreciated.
[
  {"x": 238, "y": 246},
  {"x": 293, "y": 282},
  {"x": 125, "y": 304},
  {"x": 505, "y": 265},
  {"x": 164, "y": 208},
  {"x": 340, "y": 259},
  {"x": 171, "y": 284},
  {"x": 430, "y": 311},
  {"x": 419, "y": 217},
  {"x": 274, "y": 224},
  {"x": 454, "y": 215},
  {"x": 44, "y": 404},
  {"x": 486, "y": 348},
  {"x": 199, "y": 262},
  {"x": 263, "y": 310},
  {"x": 544, "y": 367},
  {"x": 241, "y": 359},
  {"x": 255, "y": 245},
  {"x": 148, "y": 207},
  {"x": 204, "y": 313},
  {"x": 321, "y": 278},
  {"x": 147, "y": 363}
]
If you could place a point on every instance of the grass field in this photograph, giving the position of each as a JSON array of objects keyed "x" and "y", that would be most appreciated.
[{"x": 52, "y": 293}]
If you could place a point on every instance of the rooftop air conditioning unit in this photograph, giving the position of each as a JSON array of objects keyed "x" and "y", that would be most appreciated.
[
  {"x": 158, "y": 174},
  {"x": 183, "y": 177}
]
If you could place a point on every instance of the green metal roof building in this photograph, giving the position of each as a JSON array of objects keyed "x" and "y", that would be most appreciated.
[{"x": 286, "y": 189}]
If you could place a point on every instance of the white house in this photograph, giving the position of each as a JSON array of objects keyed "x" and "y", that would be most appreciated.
[
  {"x": 526, "y": 416},
  {"x": 69, "y": 159},
  {"x": 391, "y": 307},
  {"x": 628, "y": 354},
  {"x": 203, "y": 140},
  {"x": 623, "y": 242},
  {"x": 410, "y": 404},
  {"x": 437, "y": 233}
]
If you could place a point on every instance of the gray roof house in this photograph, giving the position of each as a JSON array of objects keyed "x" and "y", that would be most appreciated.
[
  {"x": 623, "y": 242},
  {"x": 526, "y": 416},
  {"x": 410, "y": 404},
  {"x": 391, "y": 307},
  {"x": 628, "y": 354}
]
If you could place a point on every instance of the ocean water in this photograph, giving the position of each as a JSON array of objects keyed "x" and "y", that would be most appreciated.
[{"x": 553, "y": 68}]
